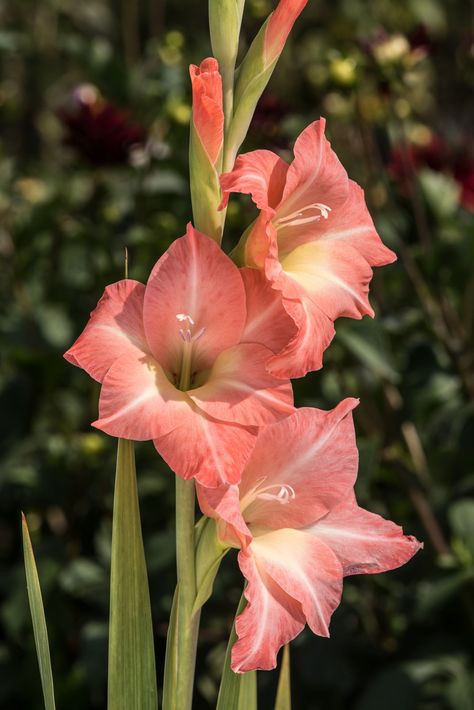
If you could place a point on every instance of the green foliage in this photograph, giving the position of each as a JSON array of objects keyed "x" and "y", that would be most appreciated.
[
  {"x": 209, "y": 555},
  {"x": 132, "y": 672},
  {"x": 39, "y": 622},
  {"x": 237, "y": 690},
  {"x": 283, "y": 696}
]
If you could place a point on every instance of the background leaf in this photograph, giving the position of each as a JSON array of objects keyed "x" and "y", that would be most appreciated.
[
  {"x": 132, "y": 674},
  {"x": 283, "y": 696},
  {"x": 39, "y": 622},
  {"x": 238, "y": 691}
]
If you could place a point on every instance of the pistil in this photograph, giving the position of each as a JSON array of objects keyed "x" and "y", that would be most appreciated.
[
  {"x": 188, "y": 338},
  {"x": 185, "y": 373}
]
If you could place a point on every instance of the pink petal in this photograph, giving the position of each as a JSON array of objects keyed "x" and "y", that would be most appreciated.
[
  {"x": 312, "y": 455},
  {"x": 310, "y": 573},
  {"x": 137, "y": 401},
  {"x": 304, "y": 353},
  {"x": 353, "y": 225},
  {"x": 279, "y": 27},
  {"x": 334, "y": 276},
  {"x": 223, "y": 504},
  {"x": 261, "y": 174},
  {"x": 239, "y": 389},
  {"x": 115, "y": 328},
  {"x": 267, "y": 320},
  {"x": 260, "y": 244},
  {"x": 212, "y": 452},
  {"x": 364, "y": 542},
  {"x": 270, "y": 619},
  {"x": 208, "y": 116},
  {"x": 315, "y": 176},
  {"x": 194, "y": 277},
  {"x": 349, "y": 223}
]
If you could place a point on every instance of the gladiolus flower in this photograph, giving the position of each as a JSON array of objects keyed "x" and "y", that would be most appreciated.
[
  {"x": 182, "y": 360},
  {"x": 314, "y": 239},
  {"x": 300, "y": 531}
]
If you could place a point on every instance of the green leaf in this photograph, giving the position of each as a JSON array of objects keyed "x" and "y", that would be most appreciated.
[
  {"x": 461, "y": 517},
  {"x": 441, "y": 191},
  {"x": 368, "y": 344},
  {"x": 132, "y": 675},
  {"x": 205, "y": 190},
  {"x": 170, "y": 675},
  {"x": 253, "y": 77},
  {"x": 39, "y": 622},
  {"x": 238, "y": 691},
  {"x": 434, "y": 594},
  {"x": 283, "y": 696},
  {"x": 209, "y": 555}
]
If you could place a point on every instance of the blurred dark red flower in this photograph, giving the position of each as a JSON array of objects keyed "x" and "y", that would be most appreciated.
[
  {"x": 435, "y": 154},
  {"x": 267, "y": 120},
  {"x": 97, "y": 130},
  {"x": 407, "y": 159},
  {"x": 420, "y": 39},
  {"x": 463, "y": 172}
]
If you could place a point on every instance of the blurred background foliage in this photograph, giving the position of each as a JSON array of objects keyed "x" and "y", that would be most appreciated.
[{"x": 94, "y": 109}]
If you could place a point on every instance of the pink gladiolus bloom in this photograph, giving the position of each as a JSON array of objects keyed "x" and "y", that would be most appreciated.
[
  {"x": 182, "y": 360},
  {"x": 279, "y": 27},
  {"x": 314, "y": 239},
  {"x": 296, "y": 521},
  {"x": 208, "y": 114}
]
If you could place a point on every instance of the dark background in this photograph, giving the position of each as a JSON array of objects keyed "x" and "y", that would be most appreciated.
[{"x": 86, "y": 171}]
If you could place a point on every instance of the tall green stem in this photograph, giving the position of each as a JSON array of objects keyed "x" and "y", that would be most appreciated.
[
  {"x": 228, "y": 96},
  {"x": 187, "y": 624}
]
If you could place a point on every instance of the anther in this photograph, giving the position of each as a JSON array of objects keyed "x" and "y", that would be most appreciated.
[
  {"x": 297, "y": 218},
  {"x": 184, "y": 317},
  {"x": 285, "y": 494},
  {"x": 186, "y": 334}
]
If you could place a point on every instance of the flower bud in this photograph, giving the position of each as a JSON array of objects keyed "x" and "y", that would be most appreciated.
[
  {"x": 207, "y": 137},
  {"x": 225, "y": 18},
  {"x": 257, "y": 68},
  {"x": 279, "y": 26}
]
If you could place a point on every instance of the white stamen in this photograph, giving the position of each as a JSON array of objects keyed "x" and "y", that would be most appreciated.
[
  {"x": 297, "y": 218},
  {"x": 184, "y": 317},
  {"x": 187, "y": 333},
  {"x": 284, "y": 493}
]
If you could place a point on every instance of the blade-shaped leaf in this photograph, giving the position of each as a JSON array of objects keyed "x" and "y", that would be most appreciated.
[
  {"x": 39, "y": 622},
  {"x": 209, "y": 555},
  {"x": 248, "y": 691},
  {"x": 171, "y": 662},
  {"x": 132, "y": 674},
  {"x": 238, "y": 691},
  {"x": 283, "y": 696}
]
